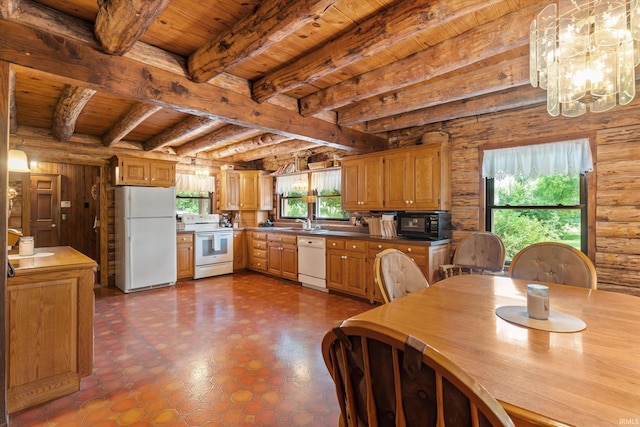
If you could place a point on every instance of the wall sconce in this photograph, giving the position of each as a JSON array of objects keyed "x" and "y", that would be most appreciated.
[{"x": 18, "y": 161}]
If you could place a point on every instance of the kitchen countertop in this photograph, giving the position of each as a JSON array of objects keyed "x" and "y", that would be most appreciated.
[
  {"x": 50, "y": 259},
  {"x": 325, "y": 232}
]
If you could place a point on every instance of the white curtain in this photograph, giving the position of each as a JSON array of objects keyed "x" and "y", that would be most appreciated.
[
  {"x": 326, "y": 180},
  {"x": 195, "y": 184},
  {"x": 565, "y": 157},
  {"x": 296, "y": 182}
]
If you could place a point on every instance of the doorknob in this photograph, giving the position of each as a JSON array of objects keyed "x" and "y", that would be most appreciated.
[{"x": 52, "y": 226}]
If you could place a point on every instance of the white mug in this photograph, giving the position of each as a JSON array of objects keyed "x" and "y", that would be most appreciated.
[{"x": 538, "y": 301}]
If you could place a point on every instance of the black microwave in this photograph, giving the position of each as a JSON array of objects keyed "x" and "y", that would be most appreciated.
[{"x": 433, "y": 225}]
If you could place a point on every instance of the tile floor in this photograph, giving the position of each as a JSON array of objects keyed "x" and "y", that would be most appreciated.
[{"x": 235, "y": 350}]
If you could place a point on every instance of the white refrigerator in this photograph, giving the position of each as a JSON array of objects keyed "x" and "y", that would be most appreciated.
[{"x": 145, "y": 237}]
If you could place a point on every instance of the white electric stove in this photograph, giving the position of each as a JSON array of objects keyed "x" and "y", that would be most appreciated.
[{"x": 213, "y": 245}]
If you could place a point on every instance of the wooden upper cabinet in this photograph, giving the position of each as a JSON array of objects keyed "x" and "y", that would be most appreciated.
[
  {"x": 246, "y": 190},
  {"x": 418, "y": 178},
  {"x": 410, "y": 178},
  {"x": 249, "y": 190},
  {"x": 362, "y": 182},
  {"x": 143, "y": 172},
  {"x": 266, "y": 192},
  {"x": 230, "y": 191}
]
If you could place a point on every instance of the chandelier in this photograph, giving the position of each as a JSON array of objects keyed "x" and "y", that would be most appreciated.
[{"x": 584, "y": 54}]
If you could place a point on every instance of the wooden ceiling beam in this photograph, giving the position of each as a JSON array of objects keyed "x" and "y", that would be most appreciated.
[
  {"x": 268, "y": 23},
  {"x": 466, "y": 49},
  {"x": 7, "y": 7},
  {"x": 120, "y": 23},
  {"x": 257, "y": 142},
  {"x": 185, "y": 130},
  {"x": 131, "y": 118},
  {"x": 13, "y": 107},
  {"x": 400, "y": 22},
  {"x": 70, "y": 104},
  {"x": 215, "y": 138},
  {"x": 501, "y": 76},
  {"x": 286, "y": 147},
  {"x": 76, "y": 63},
  {"x": 517, "y": 97}
]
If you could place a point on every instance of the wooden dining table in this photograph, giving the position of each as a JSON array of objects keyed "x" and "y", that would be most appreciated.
[{"x": 585, "y": 378}]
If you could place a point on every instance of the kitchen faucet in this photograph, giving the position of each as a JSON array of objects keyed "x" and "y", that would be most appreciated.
[{"x": 306, "y": 223}]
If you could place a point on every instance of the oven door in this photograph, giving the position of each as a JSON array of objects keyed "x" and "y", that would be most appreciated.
[{"x": 213, "y": 247}]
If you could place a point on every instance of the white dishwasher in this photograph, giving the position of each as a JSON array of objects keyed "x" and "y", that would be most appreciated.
[{"x": 312, "y": 261}]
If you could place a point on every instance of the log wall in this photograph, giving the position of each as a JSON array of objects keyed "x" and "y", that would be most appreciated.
[{"x": 615, "y": 136}]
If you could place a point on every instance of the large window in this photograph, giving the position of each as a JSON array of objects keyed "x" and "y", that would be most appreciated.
[{"x": 529, "y": 201}]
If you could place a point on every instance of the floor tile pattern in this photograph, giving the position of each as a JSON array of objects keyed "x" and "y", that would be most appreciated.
[{"x": 234, "y": 350}]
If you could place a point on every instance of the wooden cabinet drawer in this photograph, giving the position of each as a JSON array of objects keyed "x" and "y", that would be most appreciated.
[
  {"x": 335, "y": 244},
  {"x": 356, "y": 245},
  {"x": 412, "y": 249},
  {"x": 259, "y": 244},
  {"x": 259, "y": 253},
  {"x": 259, "y": 264},
  {"x": 421, "y": 260},
  {"x": 380, "y": 246},
  {"x": 290, "y": 239},
  {"x": 184, "y": 238},
  {"x": 259, "y": 235}
]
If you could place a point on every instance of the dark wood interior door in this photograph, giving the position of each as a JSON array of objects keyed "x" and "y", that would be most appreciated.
[{"x": 45, "y": 210}]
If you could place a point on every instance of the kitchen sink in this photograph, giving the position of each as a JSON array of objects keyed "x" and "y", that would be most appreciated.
[{"x": 316, "y": 231}]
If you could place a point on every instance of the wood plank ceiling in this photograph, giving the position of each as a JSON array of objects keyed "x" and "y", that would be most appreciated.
[{"x": 254, "y": 82}]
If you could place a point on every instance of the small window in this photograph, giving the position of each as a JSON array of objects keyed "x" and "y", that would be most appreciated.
[
  {"x": 329, "y": 205},
  {"x": 292, "y": 206},
  {"x": 192, "y": 202}
]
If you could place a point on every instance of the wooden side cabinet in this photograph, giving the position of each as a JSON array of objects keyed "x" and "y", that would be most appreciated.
[
  {"x": 239, "y": 250},
  {"x": 49, "y": 342},
  {"x": 185, "y": 253}
]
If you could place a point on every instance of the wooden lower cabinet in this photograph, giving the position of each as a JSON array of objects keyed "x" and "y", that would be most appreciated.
[
  {"x": 282, "y": 255},
  {"x": 428, "y": 258},
  {"x": 258, "y": 251},
  {"x": 185, "y": 257},
  {"x": 347, "y": 266},
  {"x": 50, "y": 309},
  {"x": 239, "y": 250}
]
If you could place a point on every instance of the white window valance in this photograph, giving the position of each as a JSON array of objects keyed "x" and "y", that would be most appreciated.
[
  {"x": 296, "y": 182},
  {"x": 195, "y": 184},
  {"x": 326, "y": 180},
  {"x": 566, "y": 157}
]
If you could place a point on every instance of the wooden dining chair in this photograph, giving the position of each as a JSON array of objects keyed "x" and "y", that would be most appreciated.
[
  {"x": 397, "y": 275},
  {"x": 554, "y": 262},
  {"x": 478, "y": 253},
  {"x": 386, "y": 378}
]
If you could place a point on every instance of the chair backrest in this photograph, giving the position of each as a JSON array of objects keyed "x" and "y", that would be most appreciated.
[
  {"x": 397, "y": 275},
  {"x": 385, "y": 378},
  {"x": 554, "y": 262},
  {"x": 481, "y": 250}
]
